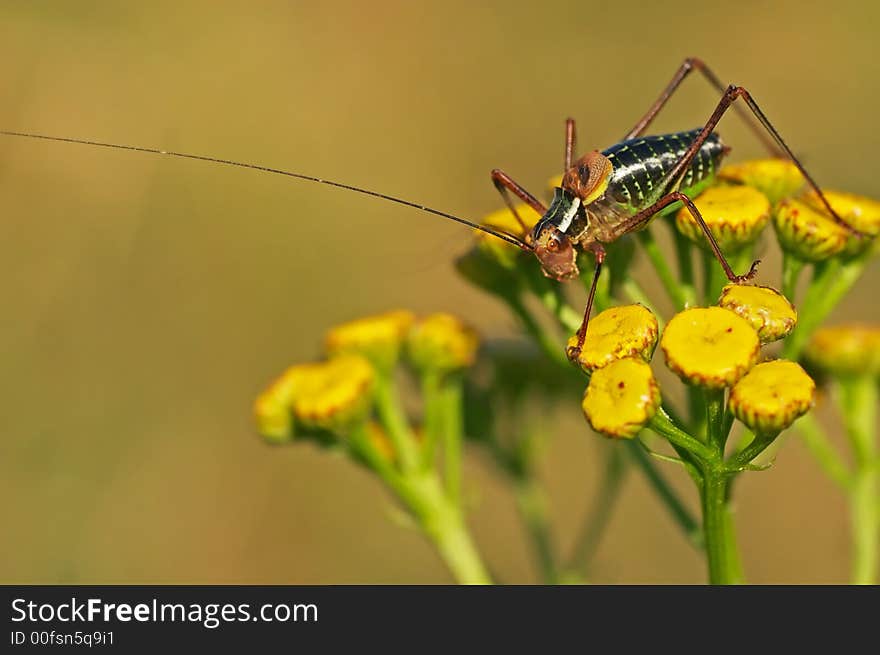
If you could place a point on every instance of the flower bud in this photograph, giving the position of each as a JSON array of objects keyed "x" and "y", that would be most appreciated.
[
  {"x": 335, "y": 395},
  {"x": 621, "y": 398},
  {"x": 616, "y": 333},
  {"x": 771, "y": 396},
  {"x": 859, "y": 212},
  {"x": 766, "y": 310},
  {"x": 272, "y": 412},
  {"x": 442, "y": 343},
  {"x": 775, "y": 178},
  {"x": 807, "y": 233},
  {"x": 735, "y": 215},
  {"x": 378, "y": 338},
  {"x": 846, "y": 350},
  {"x": 710, "y": 347}
]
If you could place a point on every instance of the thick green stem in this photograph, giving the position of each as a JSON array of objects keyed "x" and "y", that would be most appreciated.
[
  {"x": 859, "y": 399},
  {"x": 663, "y": 425},
  {"x": 721, "y": 549},
  {"x": 433, "y": 415},
  {"x": 532, "y": 506}
]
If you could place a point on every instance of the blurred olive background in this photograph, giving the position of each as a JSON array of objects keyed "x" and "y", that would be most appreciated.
[{"x": 147, "y": 300}]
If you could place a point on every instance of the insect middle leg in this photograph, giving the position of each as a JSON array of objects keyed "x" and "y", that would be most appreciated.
[
  {"x": 688, "y": 65},
  {"x": 504, "y": 183}
]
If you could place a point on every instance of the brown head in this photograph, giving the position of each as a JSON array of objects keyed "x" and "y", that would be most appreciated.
[{"x": 555, "y": 252}]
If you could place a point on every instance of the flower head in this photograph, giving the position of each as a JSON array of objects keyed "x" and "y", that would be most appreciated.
[
  {"x": 767, "y": 310},
  {"x": 621, "y": 398},
  {"x": 710, "y": 347},
  {"x": 846, "y": 350},
  {"x": 808, "y": 233},
  {"x": 505, "y": 253},
  {"x": 735, "y": 215},
  {"x": 616, "y": 333},
  {"x": 771, "y": 396},
  {"x": 272, "y": 411},
  {"x": 775, "y": 178},
  {"x": 442, "y": 343},
  {"x": 334, "y": 395},
  {"x": 378, "y": 338},
  {"x": 859, "y": 212}
]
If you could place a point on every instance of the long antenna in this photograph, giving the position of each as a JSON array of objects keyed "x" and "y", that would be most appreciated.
[{"x": 299, "y": 176}]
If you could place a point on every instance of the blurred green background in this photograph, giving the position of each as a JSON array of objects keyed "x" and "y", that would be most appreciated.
[{"x": 147, "y": 300}]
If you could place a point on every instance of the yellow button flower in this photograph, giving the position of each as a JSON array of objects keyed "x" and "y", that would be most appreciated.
[
  {"x": 616, "y": 333},
  {"x": 846, "y": 350},
  {"x": 775, "y": 178},
  {"x": 335, "y": 394},
  {"x": 378, "y": 338},
  {"x": 442, "y": 343},
  {"x": 808, "y": 233},
  {"x": 505, "y": 253},
  {"x": 735, "y": 216},
  {"x": 858, "y": 211},
  {"x": 767, "y": 310},
  {"x": 621, "y": 398},
  {"x": 771, "y": 396},
  {"x": 272, "y": 407},
  {"x": 710, "y": 347}
]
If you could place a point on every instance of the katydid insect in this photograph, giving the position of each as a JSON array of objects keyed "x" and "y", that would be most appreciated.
[{"x": 604, "y": 195}]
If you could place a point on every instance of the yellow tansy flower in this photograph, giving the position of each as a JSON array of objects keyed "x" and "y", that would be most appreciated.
[
  {"x": 711, "y": 347},
  {"x": 621, "y": 398},
  {"x": 767, "y": 310},
  {"x": 735, "y": 216},
  {"x": 335, "y": 394},
  {"x": 616, "y": 333},
  {"x": 378, "y": 338},
  {"x": 846, "y": 350},
  {"x": 775, "y": 178},
  {"x": 272, "y": 411},
  {"x": 771, "y": 396},
  {"x": 442, "y": 343},
  {"x": 810, "y": 234},
  {"x": 862, "y": 213}
]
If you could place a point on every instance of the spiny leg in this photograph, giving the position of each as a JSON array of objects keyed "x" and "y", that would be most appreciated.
[
  {"x": 691, "y": 64},
  {"x": 574, "y": 351},
  {"x": 638, "y": 220},
  {"x": 504, "y": 183},
  {"x": 730, "y": 95},
  {"x": 570, "y": 142}
]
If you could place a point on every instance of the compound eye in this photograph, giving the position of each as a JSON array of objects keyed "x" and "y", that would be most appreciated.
[{"x": 553, "y": 244}]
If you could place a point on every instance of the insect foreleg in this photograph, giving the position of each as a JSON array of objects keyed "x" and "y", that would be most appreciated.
[
  {"x": 574, "y": 351},
  {"x": 690, "y": 64},
  {"x": 504, "y": 183}
]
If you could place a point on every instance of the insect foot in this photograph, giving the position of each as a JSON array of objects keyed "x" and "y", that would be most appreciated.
[{"x": 753, "y": 270}]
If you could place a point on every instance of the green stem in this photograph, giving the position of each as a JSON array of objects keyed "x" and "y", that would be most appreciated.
[
  {"x": 452, "y": 437},
  {"x": 597, "y": 518},
  {"x": 532, "y": 506},
  {"x": 548, "y": 344},
  {"x": 667, "y": 495},
  {"x": 721, "y": 550},
  {"x": 791, "y": 271},
  {"x": 715, "y": 418},
  {"x": 826, "y": 455},
  {"x": 683, "y": 253},
  {"x": 395, "y": 422},
  {"x": 433, "y": 420},
  {"x": 635, "y": 293},
  {"x": 662, "y": 425},
  {"x": 662, "y": 267},
  {"x": 441, "y": 521},
  {"x": 831, "y": 281},
  {"x": 859, "y": 400}
]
